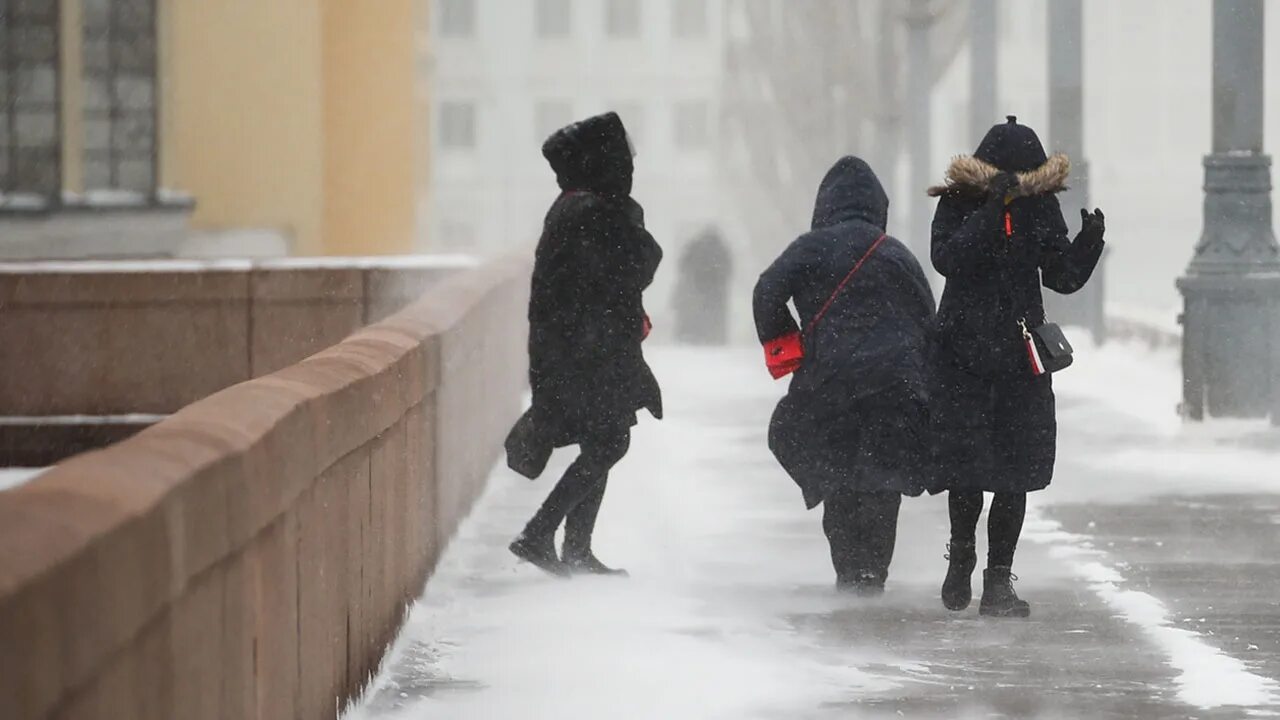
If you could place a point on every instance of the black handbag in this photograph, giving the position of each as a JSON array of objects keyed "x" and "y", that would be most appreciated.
[
  {"x": 1048, "y": 348},
  {"x": 528, "y": 448}
]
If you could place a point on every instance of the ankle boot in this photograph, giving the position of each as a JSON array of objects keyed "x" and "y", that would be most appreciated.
[
  {"x": 998, "y": 597},
  {"x": 865, "y": 584},
  {"x": 957, "y": 592},
  {"x": 586, "y": 563},
  {"x": 540, "y": 552}
]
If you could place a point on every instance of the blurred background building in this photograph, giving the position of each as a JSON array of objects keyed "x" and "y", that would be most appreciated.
[
  {"x": 506, "y": 75},
  {"x": 152, "y": 128}
]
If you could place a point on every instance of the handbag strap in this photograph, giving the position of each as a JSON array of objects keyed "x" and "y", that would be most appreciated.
[{"x": 843, "y": 283}]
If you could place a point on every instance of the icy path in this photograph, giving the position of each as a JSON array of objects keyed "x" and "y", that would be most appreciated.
[{"x": 730, "y": 611}]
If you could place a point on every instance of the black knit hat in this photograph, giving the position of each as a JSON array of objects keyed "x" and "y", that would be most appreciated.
[{"x": 1012, "y": 147}]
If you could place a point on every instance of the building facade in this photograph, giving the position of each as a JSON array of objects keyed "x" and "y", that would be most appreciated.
[
  {"x": 168, "y": 128},
  {"x": 508, "y": 74}
]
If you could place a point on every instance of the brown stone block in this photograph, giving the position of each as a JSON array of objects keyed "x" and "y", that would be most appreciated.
[
  {"x": 319, "y": 283},
  {"x": 360, "y": 607},
  {"x": 322, "y": 592},
  {"x": 116, "y": 360},
  {"x": 273, "y": 566},
  {"x": 239, "y": 643},
  {"x": 285, "y": 332},
  {"x": 109, "y": 283},
  {"x": 390, "y": 290},
  {"x": 32, "y": 671},
  {"x": 388, "y": 462},
  {"x": 198, "y": 649},
  {"x": 138, "y": 682}
]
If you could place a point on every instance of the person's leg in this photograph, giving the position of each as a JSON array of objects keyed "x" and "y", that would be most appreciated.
[
  {"x": 965, "y": 508},
  {"x": 881, "y": 532},
  {"x": 580, "y": 523},
  {"x": 537, "y": 543},
  {"x": 1004, "y": 525},
  {"x": 839, "y": 522}
]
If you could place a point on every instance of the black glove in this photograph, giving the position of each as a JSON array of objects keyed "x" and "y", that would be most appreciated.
[
  {"x": 1001, "y": 185},
  {"x": 1092, "y": 226}
]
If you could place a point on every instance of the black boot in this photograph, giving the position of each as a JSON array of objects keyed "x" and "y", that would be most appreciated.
[
  {"x": 957, "y": 592},
  {"x": 586, "y": 563},
  {"x": 540, "y": 552},
  {"x": 998, "y": 597},
  {"x": 865, "y": 584}
]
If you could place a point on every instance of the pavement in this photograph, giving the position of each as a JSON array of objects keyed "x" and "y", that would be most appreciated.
[{"x": 1150, "y": 564}]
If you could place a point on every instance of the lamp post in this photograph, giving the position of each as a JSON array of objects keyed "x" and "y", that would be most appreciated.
[{"x": 1231, "y": 290}]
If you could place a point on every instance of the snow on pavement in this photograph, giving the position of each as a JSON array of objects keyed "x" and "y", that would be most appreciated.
[{"x": 730, "y": 611}]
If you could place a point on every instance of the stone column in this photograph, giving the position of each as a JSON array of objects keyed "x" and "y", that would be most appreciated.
[
  {"x": 1066, "y": 135},
  {"x": 1231, "y": 319}
]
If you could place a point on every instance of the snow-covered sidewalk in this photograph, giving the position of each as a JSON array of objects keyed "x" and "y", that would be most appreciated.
[{"x": 731, "y": 613}]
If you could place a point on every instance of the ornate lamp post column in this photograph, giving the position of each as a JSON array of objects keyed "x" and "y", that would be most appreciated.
[{"x": 1231, "y": 291}]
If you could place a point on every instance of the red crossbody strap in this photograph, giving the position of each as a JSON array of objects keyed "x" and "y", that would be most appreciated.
[{"x": 840, "y": 288}]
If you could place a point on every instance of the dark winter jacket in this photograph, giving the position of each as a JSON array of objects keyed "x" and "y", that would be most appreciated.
[
  {"x": 993, "y": 419},
  {"x": 854, "y": 415},
  {"x": 586, "y": 318}
]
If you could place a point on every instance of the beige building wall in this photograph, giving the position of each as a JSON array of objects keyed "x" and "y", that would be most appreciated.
[{"x": 369, "y": 126}]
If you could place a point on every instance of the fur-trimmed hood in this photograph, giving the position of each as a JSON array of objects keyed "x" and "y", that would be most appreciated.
[{"x": 970, "y": 176}]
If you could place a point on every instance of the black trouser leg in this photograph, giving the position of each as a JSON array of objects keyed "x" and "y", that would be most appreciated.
[
  {"x": 586, "y": 475},
  {"x": 861, "y": 528},
  {"x": 965, "y": 507},
  {"x": 839, "y": 511},
  {"x": 880, "y": 530},
  {"x": 1004, "y": 526},
  {"x": 580, "y": 524}
]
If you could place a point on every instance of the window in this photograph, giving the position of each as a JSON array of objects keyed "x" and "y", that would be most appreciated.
[
  {"x": 458, "y": 125},
  {"x": 689, "y": 19},
  {"x": 622, "y": 18},
  {"x": 457, "y": 18},
  {"x": 30, "y": 131},
  {"x": 693, "y": 125},
  {"x": 550, "y": 116},
  {"x": 120, "y": 95},
  {"x": 555, "y": 18}
]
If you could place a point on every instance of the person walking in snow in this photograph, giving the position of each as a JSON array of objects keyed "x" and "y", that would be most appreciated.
[
  {"x": 998, "y": 235},
  {"x": 586, "y": 323},
  {"x": 852, "y": 428}
]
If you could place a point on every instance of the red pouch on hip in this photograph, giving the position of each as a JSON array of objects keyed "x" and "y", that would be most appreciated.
[{"x": 783, "y": 355}]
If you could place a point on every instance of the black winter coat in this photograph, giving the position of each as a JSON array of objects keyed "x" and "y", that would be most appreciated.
[
  {"x": 993, "y": 419},
  {"x": 855, "y": 413},
  {"x": 586, "y": 317}
]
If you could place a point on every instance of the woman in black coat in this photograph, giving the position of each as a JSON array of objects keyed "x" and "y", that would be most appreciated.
[
  {"x": 586, "y": 324},
  {"x": 852, "y": 429},
  {"x": 998, "y": 234}
]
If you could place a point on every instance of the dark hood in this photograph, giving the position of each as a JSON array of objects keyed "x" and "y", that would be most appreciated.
[
  {"x": 1011, "y": 147},
  {"x": 593, "y": 155},
  {"x": 851, "y": 191}
]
